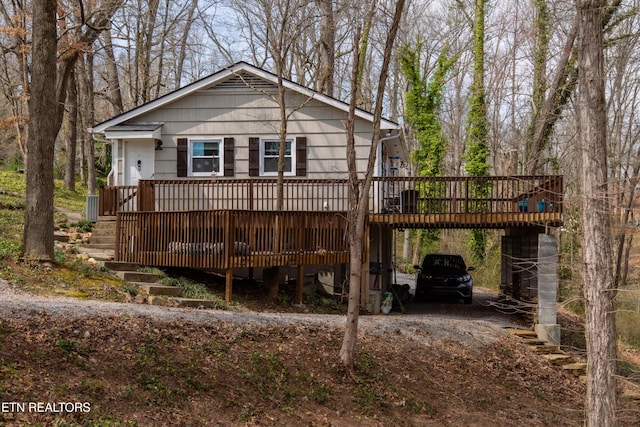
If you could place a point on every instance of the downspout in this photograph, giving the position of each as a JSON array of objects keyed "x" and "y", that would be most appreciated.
[{"x": 377, "y": 198}]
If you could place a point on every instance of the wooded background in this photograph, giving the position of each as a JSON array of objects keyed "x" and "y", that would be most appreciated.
[{"x": 483, "y": 87}]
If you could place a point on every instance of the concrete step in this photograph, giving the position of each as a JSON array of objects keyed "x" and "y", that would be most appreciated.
[
  {"x": 100, "y": 246},
  {"x": 104, "y": 231},
  {"x": 97, "y": 253},
  {"x": 102, "y": 240},
  {"x": 106, "y": 218},
  {"x": 153, "y": 289},
  {"x": 121, "y": 266},
  {"x": 138, "y": 276},
  {"x": 103, "y": 226}
]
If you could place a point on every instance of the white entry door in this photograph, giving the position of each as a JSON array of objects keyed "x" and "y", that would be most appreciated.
[{"x": 139, "y": 161}]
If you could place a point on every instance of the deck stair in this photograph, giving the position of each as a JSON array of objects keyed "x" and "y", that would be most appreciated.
[
  {"x": 103, "y": 235},
  {"x": 553, "y": 353},
  {"x": 153, "y": 292}
]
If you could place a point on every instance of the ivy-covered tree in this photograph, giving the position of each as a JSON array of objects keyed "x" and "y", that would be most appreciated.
[
  {"x": 477, "y": 150},
  {"x": 422, "y": 106}
]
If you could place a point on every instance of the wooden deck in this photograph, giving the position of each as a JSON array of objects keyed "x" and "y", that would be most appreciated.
[{"x": 220, "y": 223}]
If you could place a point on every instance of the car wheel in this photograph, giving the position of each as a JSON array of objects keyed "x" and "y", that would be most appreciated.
[{"x": 468, "y": 300}]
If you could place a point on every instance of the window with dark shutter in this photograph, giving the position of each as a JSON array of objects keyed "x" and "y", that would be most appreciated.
[
  {"x": 229, "y": 157},
  {"x": 183, "y": 157}
]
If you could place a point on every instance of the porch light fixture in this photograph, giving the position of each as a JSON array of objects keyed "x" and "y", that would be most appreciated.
[{"x": 158, "y": 145}]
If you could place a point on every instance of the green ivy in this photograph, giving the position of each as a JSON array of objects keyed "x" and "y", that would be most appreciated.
[{"x": 422, "y": 107}]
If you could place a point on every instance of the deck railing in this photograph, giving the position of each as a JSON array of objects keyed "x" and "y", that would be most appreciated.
[
  {"x": 388, "y": 195},
  {"x": 468, "y": 195},
  {"x": 210, "y": 239},
  {"x": 113, "y": 199}
]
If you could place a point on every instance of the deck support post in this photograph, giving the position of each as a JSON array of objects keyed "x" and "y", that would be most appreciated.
[
  {"x": 364, "y": 268},
  {"x": 228, "y": 287},
  {"x": 228, "y": 254},
  {"x": 300, "y": 284},
  {"x": 547, "y": 326}
]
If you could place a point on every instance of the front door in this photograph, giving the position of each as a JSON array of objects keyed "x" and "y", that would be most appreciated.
[{"x": 139, "y": 161}]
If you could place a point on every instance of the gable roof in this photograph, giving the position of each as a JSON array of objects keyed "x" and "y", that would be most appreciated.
[{"x": 222, "y": 76}]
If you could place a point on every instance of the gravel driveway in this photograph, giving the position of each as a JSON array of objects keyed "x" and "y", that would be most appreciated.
[{"x": 478, "y": 323}]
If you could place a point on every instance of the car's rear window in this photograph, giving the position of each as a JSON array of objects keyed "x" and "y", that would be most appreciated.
[{"x": 449, "y": 262}]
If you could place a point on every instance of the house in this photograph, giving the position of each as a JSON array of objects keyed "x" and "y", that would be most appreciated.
[
  {"x": 226, "y": 127},
  {"x": 193, "y": 185}
]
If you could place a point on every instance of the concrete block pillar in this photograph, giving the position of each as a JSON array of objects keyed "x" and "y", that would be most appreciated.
[{"x": 547, "y": 326}]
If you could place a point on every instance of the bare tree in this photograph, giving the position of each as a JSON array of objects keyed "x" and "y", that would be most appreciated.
[
  {"x": 45, "y": 117},
  {"x": 359, "y": 191},
  {"x": 38, "y": 230},
  {"x": 599, "y": 291},
  {"x": 14, "y": 73}
]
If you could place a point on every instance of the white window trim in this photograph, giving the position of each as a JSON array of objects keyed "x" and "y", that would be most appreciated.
[
  {"x": 293, "y": 156},
  {"x": 220, "y": 142}
]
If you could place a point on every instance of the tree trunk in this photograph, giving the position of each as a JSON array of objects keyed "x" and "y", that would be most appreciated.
[
  {"x": 38, "y": 229},
  {"x": 327, "y": 47},
  {"x": 115, "y": 94},
  {"x": 541, "y": 27},
  {"x": 71, "y": 134},
  {"x": 599, "y": 293},
  {"x": 359, "y": 194},
  {"x": 86, "y": 89}
]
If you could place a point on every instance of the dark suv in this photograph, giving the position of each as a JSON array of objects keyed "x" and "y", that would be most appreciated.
[{"x": 444, "y": 275}]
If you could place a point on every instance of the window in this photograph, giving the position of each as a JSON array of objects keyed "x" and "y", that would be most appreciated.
[
  {"x": 205, "y": 157},
  {"x": 263, "y": 156},
  {"x": 269, "y": 157}
]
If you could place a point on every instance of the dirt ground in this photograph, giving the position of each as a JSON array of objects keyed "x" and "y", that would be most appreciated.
[{"x": 91, "y": 363}]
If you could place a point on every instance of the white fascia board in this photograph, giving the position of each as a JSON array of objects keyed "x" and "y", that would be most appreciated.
[{"x": 133, "y": 134}]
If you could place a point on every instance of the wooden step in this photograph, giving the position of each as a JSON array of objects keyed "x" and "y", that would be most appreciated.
[
  {"x": 194, "y": 303},
  {"x": 546, "y": 349},
  {"x": 559, "y": 359},
  {"x": 523, "y": 333},
  {"x": 535, "y": 342},
  {"x": 154, "y": 289},
  {"x": 577, "y": 369},
  {"x": 138, "y": 276},
  {"x": 121, "y": 266}
]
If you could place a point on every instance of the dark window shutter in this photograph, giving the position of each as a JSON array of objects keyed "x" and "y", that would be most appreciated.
[
  {"x": 254, "y": 156},
  {"x": 183, "y": 157},
  {"x": 229, "y": 156},
  {"x": 301, "y": 156}
]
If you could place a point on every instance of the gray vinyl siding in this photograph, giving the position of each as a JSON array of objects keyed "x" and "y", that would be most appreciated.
[{"x": 242, "y": 114}]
